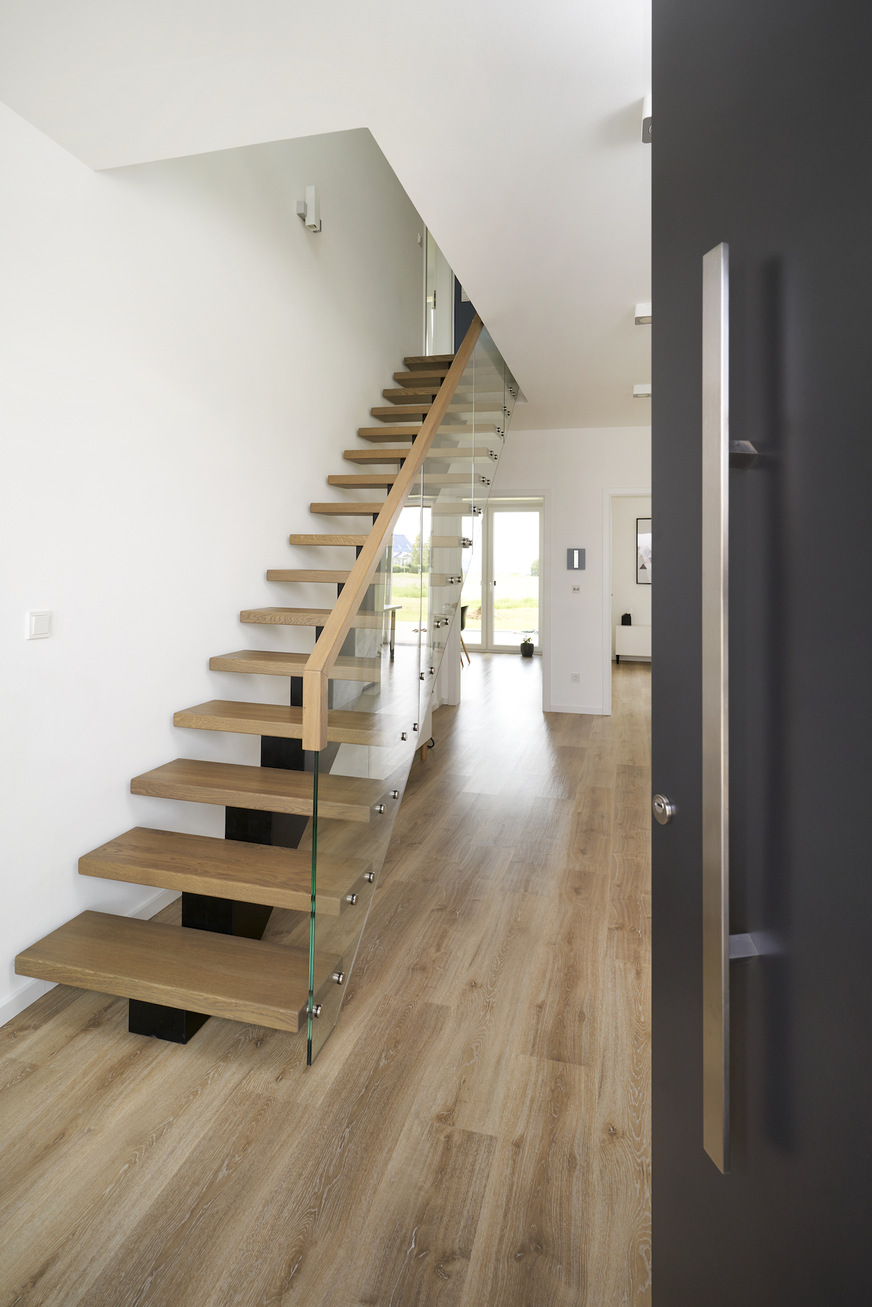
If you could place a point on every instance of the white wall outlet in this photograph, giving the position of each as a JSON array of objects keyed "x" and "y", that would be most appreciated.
[
  {"x": 38, "y": 624},
  {"x": 575, "y": 678}
]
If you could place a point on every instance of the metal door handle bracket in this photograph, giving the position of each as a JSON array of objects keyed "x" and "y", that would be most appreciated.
[
  {"x": 742, "y": 946},
  {"x": 743, "y": 453}
]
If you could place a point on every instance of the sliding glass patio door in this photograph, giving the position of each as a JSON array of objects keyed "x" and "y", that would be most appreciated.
[{"x": 502, "y": 595}]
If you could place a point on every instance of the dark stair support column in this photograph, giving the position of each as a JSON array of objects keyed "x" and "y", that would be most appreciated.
[
  {"x": 230, "y": 916},
  {"x": 172, "y": 1024},
  {"x": 286, "y": 829}
]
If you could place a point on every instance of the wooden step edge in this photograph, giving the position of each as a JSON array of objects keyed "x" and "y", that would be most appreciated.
[
  {"x": 363, "y": 480},
  {"x": 220, "y": 975},
  {"x": 313, "y": 575},
  {"x": 250, "y": 873},
  {"x": 277, "y": 616},
  {"x": 389, "y": 413},
  {"x": 377, "y": 434},
  {"x": 376, "y": 455},
  {"x": 410, "y": 394},
  {"x": 421, "y": 360},
  {"x": 284, "y": 721},
  {"x": 272, "y": 662},
  {"x": 260, "y": 789},
  {"x": 422, "y": 376},
  {"x": 305, "y": 617},
  {"x": 353, "y": 539},
  {"x": 369, "y": 508}
]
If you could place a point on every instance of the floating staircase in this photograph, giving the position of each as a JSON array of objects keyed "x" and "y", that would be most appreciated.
[{"x": 306, "y": 831}]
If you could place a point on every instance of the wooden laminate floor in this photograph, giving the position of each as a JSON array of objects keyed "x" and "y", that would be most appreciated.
[{"x": 475, "y": 1132}]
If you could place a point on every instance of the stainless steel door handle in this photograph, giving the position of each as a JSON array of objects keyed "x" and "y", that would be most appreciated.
[{"x": 715, "y": 707}]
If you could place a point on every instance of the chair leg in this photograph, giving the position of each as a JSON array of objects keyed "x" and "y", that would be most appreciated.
[{"x": 464, "y": 650}]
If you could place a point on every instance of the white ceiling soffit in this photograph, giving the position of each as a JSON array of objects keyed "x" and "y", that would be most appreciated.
[{"x": 514, "y": 127}]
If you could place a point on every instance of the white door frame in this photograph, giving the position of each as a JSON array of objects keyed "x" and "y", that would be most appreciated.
[{"x": 608, "y": 497}]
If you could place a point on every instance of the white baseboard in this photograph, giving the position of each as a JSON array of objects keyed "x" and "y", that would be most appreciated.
[
  {"x": 22, "y": 998},
  {"x": 585, "y": 710},
  {"x": 34, "y": 989},
  {"x": 162, "y": 899}
]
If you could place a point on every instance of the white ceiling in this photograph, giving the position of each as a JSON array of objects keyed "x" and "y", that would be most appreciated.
[{"x": 514, "y": 125}]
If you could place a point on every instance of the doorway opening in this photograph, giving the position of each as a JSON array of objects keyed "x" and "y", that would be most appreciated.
[
  {"x": 502, "y": 594},
  {"x": 438, "y": 300},
  {"x": 627, "y": 581}
]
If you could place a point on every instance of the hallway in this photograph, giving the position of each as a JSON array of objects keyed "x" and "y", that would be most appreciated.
[{"x": 476, "y": 1131}]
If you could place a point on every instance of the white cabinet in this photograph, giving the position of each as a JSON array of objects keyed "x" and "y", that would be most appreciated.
[{"x": 632, "y": 641}]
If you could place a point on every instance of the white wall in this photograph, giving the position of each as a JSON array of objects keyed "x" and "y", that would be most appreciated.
[
  {"x": 573, "y": 470},
  {"x": 182, "y": 365},
  {"x": 627, "y": 595}
]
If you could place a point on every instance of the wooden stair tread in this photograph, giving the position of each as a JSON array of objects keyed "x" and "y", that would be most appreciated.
[
  {"x": 388, "y": 433},
  {"x": 377, "y": 455},
  {"x": 451, "y": 452},
  {"x": 460, "y": 429},
  {"x": 304, "y": 617},
  {"x": 448, "y": 478},
  {"x": 399, "y": 455},
  {"x": 459, "y": 506},
  {"x": 264, "y": 789},
  {"x": 321, "y": 575},
  {"x": 406, "y": 394},
  {"x": 477, "y": 408},
  {"x": 344, "y": 725},
  {"x": 428, "y": 360},
  {"x": 286, "y": 616},
  {"x": 221, "y": 975},
  {"x": 328, "y": 538},
  {"x": 273, "y": 662},
  {"x": 437, "y": 373},
  {"x": 469, "y": 430},
  {"x": 369, "y": 508},
  {"x": 393, "y": 411},
  {"x": 250, "y": 873},
  {"x": 366, "y": 480}
]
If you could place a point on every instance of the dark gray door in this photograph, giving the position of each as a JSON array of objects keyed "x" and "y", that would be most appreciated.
[{"x": 763, "y": 139}]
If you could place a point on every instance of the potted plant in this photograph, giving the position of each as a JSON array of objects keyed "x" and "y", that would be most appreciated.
[{"x": 526, "y": 647}]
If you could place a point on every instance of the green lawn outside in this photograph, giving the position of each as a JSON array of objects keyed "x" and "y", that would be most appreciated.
[
  {"x": 516, "y": 607},
  {"x": 407, "y": 590}
]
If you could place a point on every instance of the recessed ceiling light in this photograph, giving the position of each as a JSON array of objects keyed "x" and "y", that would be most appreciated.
[
  {"x": 643, "y": 391},
  {"x": 643, "y": 313}
]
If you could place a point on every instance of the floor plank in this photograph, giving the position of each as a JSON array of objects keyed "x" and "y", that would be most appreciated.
[{"x": 476, "y": 1131}]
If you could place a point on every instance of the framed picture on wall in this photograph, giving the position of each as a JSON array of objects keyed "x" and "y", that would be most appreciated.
[{"x": 643, "y": 551}]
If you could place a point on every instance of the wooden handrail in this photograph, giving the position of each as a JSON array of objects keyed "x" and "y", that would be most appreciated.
[{"x": 317, "y": 670}]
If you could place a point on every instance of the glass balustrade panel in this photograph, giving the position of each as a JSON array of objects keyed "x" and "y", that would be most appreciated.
[
  {"x": 458, "y": 473},
  {"x": 362, "y": 771},
  {"x": 403, "y": 624}
]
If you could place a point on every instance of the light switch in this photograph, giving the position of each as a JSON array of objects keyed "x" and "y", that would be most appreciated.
[{"x": 38, "y": 624}]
